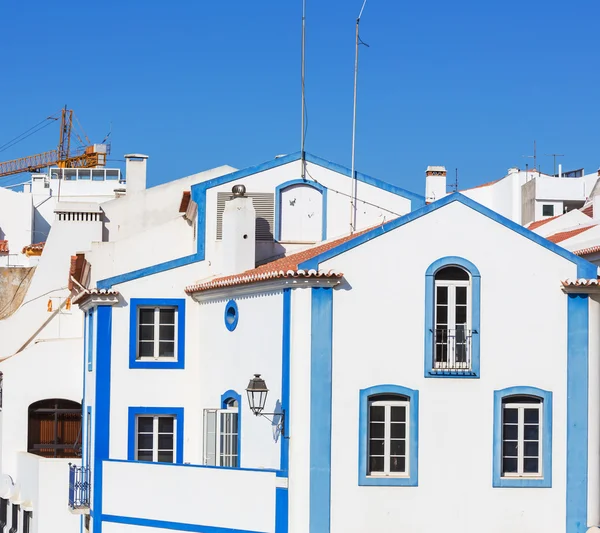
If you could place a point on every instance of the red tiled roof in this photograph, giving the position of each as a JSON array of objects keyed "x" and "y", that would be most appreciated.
[
  {"x": 564, "y": 235},
  {"x": 587, "y": 251},
  {"x": 4, "y": 247},
  {"x": 580, "y": 282},
  {"x": 185, "y": 201},
  {"x": 589, "y": 211},
  {"x": 33, "y": 249},
  {"x": 280, "y": 268},
  {"x": 539, "y": 223}
]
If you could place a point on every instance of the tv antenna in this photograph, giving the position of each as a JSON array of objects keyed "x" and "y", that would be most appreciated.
[
  {"x": 455, "y": 184},
  {"x": 302, "y": 62},
  {"x": 534, "y": 156},
  {"x": 354, "y": 197},
  {"x": 555, "y": 156}
]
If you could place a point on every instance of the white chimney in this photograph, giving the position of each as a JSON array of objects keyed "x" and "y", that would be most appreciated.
[
  {"x": 239, "y": 227},
  {"x": 559, "y": 170},
  {"x": 135, "y": 172},
  {"x": 435, "y": 183}
]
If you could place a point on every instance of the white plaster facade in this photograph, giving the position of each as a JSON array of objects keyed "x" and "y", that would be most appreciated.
[{"x": 319, "y": 338}]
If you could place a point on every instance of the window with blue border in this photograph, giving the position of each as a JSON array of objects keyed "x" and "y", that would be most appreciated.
[
  {"x": 388, "y": 446},
  {"x": 155, "y": 434},
  {"x": 522, "y": 438},
  {"x": 222, "y": 432},
  {"x": 157, "y": 333},
  {"x": 300, "y": 211},
  {"x": 231, "y": 315},
  {"x": 452, "y": 318},
  {"x": 90, "y": 339}
]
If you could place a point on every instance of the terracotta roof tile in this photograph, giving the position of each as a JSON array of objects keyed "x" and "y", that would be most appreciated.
[
  {"x": 280, "y": 268},
  {"x": 185, "y": 201},
  {"x": 33, "y": 249},
  {"x": 580, "y": 282},
  {"x": 539, "y": 223},
  {"x": 4, "y": 247},
  {"x": 589, "y": 210},
  {"x": 587, "y": 251},
  {"x": 564, "y": 235}
]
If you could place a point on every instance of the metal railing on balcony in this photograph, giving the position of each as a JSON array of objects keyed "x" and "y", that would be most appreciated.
[
  {"x": 452, "y": 349},
  {"x": 79, "y": 488}
]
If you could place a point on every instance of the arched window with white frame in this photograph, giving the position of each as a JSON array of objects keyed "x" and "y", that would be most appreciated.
[{"x": 300, "y": 212}]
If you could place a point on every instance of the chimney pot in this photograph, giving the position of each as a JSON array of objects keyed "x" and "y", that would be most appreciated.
[
  {"x": 239, "y": 191},
  {"x": 435, "y": 183},
  {"x": 135, "y": 172}
]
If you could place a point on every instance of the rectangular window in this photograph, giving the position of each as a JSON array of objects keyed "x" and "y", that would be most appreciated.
[
  {"x": 26, "y": 521},
  {"x": 14, "y": 523},
  {"x": 547, "y": 210},
  {"x": 388, "y": 438},
  {"x": 155, "y": 438},
  {"x": 221, "y": 436},
  {"x": 3, "y": 514},
  {"x": 157, "y": 334},
  {"x": 521, "y": 439}
]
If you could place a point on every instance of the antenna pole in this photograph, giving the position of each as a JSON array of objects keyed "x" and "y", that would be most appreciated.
[
  {"x": 534, "y": 155},
  {"x": 353, "y": 202},
  {"x": 303, "y": 132}
]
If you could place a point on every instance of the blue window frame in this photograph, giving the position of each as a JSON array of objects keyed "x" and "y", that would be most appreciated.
[
  {"x": 522, "y": 438},
  {"x": 452, "y": 319},
  {"x": 231, "y": 315},
  {"x": 135, "y": 431},
  {"x": 157, "y": 333},
  {"x": 90, "y": 340},
  {"x": 388, "y": 446},
  {"x": 294, "y": 183}
]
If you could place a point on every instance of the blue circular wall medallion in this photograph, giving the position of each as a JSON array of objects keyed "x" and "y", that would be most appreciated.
[{"x": 231, "y": 315}]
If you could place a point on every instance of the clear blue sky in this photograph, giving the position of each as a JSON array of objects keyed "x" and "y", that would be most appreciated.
[{"x": 196, "y": 84}]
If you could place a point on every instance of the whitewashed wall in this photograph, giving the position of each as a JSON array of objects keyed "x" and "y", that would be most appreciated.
[{"x": 523, "y": 342}]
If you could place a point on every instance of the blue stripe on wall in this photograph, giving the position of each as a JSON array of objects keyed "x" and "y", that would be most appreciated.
[
  {"x": 174, "y": 526},
  {"x": 285, "y": 379},
  {"x": 102, "y": 406},
  {"x": 320, "y": 409},
  {"x": 577, "y": 412},
  {"x": 281, "y": 510}
]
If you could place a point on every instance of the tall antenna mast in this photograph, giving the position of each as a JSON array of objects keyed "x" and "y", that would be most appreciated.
[
  {"x": 303, "y": 133},
  {"x": 353, "y": 201},
  {"x": 555, "y": 156}
]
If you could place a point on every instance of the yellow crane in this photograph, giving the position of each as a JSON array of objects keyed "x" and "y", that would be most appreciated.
[{"x": 93, "y": 155}]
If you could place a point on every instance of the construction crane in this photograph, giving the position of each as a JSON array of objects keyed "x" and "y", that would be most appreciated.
[{"x": 93, "y": 155}]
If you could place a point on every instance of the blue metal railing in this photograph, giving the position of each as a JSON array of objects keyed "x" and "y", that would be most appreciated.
[{"x": 79, "y": 487}]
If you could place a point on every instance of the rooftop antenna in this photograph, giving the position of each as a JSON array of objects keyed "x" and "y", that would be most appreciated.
[
  {"x": 303, "y": 132},
  {"x": 353, "y": 202},
  {"x": 555, "y": 156},
  {"x": 534, "y": 156},
  {"x": 455, "y": 180}
]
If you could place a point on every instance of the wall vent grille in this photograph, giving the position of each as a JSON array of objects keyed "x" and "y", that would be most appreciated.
[{"x": 264, "y": 205}]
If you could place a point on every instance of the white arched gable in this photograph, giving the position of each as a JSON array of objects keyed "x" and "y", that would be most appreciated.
[{"x": 301, "y": 213}]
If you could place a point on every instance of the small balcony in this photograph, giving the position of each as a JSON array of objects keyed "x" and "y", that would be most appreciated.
[
  {"x": 452, "y": 350},
  {"x": 79, "y": 489}
]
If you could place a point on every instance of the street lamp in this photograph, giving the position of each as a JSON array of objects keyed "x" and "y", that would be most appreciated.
[{"x": 257, "y": 392}]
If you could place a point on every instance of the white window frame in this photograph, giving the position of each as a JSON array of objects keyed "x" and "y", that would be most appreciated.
[
  {"x": 156, "y": 341},
  {"x": 219, "y": 456},
  {"x": 521, "y": 406},
  {"x": 451, "y": 323},
  {"x": 387, "y": 437},
  {"x": 155, "y": 435}
]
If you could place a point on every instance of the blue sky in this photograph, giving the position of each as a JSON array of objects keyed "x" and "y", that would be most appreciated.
[{"x": 196, "y": 84}]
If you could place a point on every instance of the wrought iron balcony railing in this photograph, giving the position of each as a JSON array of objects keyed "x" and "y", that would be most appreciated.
[
  {"x": 452, "y": 349},
  {"x": 79, "y": 488}
]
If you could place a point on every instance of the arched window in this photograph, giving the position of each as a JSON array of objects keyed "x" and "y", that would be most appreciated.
[
  {"x": 522, "y": 437},
  {"x": 54, "y": 428},
  {"x": 388, "y": 436},
  {"x": 222, "y": 439},
  {"x": 300, "y": 215},
  {"x": 452, "y": 318}
]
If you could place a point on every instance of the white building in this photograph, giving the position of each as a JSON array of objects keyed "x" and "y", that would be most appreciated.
[
  {"x": 523, "y": 196},
  {"x": 412, "y": 385}
]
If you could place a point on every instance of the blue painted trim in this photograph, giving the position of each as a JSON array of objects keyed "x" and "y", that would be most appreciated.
[
  {"x": 90, "y": 339},
  {"x": 284, "y": 455},
  {"x": 236, "y": 315},
  {"x": 412, "y": 480},
  {"x": 86, "y": 437},
  {"x": 134, "y": 304},
  {"x": 585, "y": 269},
  {"x": 546, "y": 480},
  {"x": 102, "y": 407},
  {"x": 280, "y": 188},
  {"x": 233, "y": 395},
  {"x": 320, "y": 409},
  {"x": 475, "y": 317},
  {"x": 177, "y": 412},
  {"x": 198, "y": 194},
  {"x": 187, "y": 465},
  {"x": 174, "y": 526},
  {"x": 281, "y": 510},
  {"x": 577, "y": 411}
]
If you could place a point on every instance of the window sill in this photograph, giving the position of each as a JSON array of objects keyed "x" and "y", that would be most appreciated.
[
  {"x": 522, "y": 482},
  {"x": 387, "y": 481},
  {"x": 442, "y": 373},
  {"x": 156, "y": 363}
]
